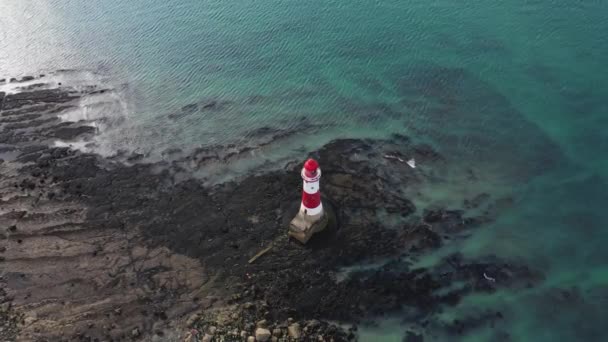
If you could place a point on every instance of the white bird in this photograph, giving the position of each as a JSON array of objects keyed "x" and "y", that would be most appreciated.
[{"x": 412, "y": 163}]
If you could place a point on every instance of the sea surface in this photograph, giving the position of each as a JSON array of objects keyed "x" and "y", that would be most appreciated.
[{"x": 514, "y": 93}]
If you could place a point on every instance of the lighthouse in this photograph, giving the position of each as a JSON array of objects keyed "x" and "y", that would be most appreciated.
[{"x": 311, "y": 217}]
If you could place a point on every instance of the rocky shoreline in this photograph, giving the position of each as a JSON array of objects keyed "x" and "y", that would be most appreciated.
[{"x": 99, "y": 249}]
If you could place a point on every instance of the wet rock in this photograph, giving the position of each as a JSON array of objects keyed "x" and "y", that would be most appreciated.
[
  {"x": 432, "y": 216},
  {"x": 135, "y": 157},
  {"x": 411, "y": 336},
  {"x": 49, "y": 96},
  {"x": 99, "y": 91},
  {"x": 421, "y": 238},
  {"x": 71, "y": 133}
]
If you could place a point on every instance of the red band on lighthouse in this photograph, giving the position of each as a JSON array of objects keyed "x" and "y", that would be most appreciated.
[{"x": 311, "y": 195}]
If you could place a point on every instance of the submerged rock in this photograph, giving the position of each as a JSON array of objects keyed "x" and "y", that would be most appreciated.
[{"x": 412, "y": 337}]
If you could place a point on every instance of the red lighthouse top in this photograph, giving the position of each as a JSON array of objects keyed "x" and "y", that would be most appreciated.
[
  {"x": 311, "y": 171},
  {"x": 311, "y": 165}
]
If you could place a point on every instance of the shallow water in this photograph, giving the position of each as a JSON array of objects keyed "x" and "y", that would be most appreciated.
[{"x": 514, "y": 92}]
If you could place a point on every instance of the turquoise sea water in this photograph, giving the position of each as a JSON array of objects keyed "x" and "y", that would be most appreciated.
[{"x": 514, "y": 90}]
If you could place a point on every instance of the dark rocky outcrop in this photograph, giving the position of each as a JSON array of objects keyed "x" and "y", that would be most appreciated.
[{"x": 134, "y": 250}]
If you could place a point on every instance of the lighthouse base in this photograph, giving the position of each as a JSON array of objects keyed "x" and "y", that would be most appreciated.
[{"x": 303, "y": 226}]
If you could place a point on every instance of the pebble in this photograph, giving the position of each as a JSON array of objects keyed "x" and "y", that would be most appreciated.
[
  {"x": 191, "y": 320},
  {"x": 250, "y": 339},
  {"x": 30, "y": 319},
  {"x": 313, "y": 323},
  {"x": 189, "y": 337},
  {"x": 261, "y": 324}
]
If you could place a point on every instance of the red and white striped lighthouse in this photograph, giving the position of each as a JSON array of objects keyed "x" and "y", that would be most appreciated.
[
  {"x": 311, "y": 193},
  {"x": 310, "y": 218}
]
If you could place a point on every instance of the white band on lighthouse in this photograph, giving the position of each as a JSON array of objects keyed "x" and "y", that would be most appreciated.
[
  {"x": 312, "y": 211},
  {"x": 311, "y": 188},
  {"x": 311, "y": 179}
]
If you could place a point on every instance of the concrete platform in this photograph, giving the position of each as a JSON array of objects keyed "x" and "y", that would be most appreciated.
[{"x": 303, "y": 226}]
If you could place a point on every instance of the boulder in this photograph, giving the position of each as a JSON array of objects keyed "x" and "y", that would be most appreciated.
[
  {"x": 262, "y": 334},
  {"x": 294, "y": 330}
]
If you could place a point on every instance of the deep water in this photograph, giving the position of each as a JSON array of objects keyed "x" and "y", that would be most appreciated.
[{"x": 513, "y": 93}]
